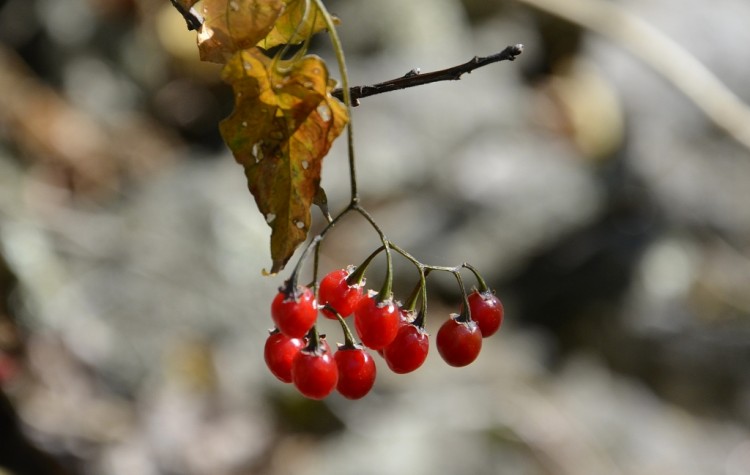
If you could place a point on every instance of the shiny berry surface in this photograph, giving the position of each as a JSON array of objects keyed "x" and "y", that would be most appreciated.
[
  {"x": 356, "y": 372},
  {"x": 336, "y": 292},
  {"x": 279, "y": 352},
  {"x": 376, "y": 322},
  {"x": 294, "y": 317},
  {"x": 487, "y": 311},
  {"x": 408, "y": 350},
  {"x": 459, "y": 343},
  {"x": 314, "y": 373}
]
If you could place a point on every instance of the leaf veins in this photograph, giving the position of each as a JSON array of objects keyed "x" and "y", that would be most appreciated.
[{"x": 282, "y": 125}]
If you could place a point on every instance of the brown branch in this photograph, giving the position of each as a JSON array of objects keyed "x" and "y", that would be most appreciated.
[{"x": 415, "y": 78}]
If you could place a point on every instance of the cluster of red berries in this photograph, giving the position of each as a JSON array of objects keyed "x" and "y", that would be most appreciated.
[{"x": 295, "y": 354}]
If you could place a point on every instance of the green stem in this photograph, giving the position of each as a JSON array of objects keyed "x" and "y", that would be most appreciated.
[
  {"x": 465, "y": 315},
  {"x": 313, "y": 339},
  {"x": 480, "y": 281},
  {"x": 339, "y": 51},
  {"x": 349, "y": 342},
  {"x": 386, "y": 292},
  {"x": 356, "y": 277}
]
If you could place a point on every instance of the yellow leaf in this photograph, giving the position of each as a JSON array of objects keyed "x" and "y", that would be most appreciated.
[
  {"x": 300, "y": 20},
  {"x": 282, "y": 125},
  {"x": 233, "y": 25}
]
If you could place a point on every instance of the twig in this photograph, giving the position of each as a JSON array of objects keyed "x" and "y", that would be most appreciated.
[
  {"x": 415, "y": 78},
  {"x": 193, "y": 19}
]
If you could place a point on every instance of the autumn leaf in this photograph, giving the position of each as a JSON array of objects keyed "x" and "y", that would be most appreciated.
[
  {"x": 295, "y": 24},
  {"x": 233, "y": 25},
  {"x": 283, "y": 124}
]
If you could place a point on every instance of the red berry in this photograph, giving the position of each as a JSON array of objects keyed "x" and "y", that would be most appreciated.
[
  {"x": 405, "y": 317},
  {"x": 376, "y": 322},
  {"x": 356, "y": 372},
  {"x": 314, "y": 373},
  {"x": 279, "y": 353},
  {"x": 294, "y": 316},
  {"x": 408, "y": 350},
  {"x": 459, "y": 343},
  {"x": 336, "y": 292},
  {"x": 487, "y": 311}
]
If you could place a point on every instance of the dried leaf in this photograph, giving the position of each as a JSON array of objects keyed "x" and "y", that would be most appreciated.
[
  {"x": 295, "y": 25},
  {"x": 283, "y": 124},
  {"x": 233, "y": 25}
]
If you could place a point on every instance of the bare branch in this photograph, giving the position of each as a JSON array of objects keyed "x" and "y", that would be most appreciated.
[{"x": 414, "y": 78}]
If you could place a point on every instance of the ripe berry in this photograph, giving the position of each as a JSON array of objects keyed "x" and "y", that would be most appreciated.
[
  {"x": 294, "y": 316},
  {"x": 279, "y": 353},
  {"x": 356, "y": 372},
  {"x": 314, "y": 372},
  {"x": 408, "y": 350},
  {"x": 405, "y": 317},
  {"x": 376, "y": 322},
  {"x": 458, "y": 342},
  {"x": 487, "y": 311},
  {"x": 336, "y": 292}
]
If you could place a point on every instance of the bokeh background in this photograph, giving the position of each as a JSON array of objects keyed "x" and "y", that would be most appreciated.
[{"x": 603, "y": 198}]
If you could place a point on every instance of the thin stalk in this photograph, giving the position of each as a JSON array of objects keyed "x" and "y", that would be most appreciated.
[
  {"x": 386, "y": 292},
  {"x": 465, "y": 315},
  {"x": 349, "y": 341},
  {"x": 339, "y": 51},
  {"x": 480, "y": 281}
]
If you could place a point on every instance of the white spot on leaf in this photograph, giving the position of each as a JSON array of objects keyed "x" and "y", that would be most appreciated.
[
  {"x": 324, "y": 111},
  {"x": 305, "y": 164},
  {"x": 270, "y": 217},
  {"x": 299, "y": 224}
]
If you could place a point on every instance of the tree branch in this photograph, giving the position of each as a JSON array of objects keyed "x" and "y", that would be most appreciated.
[{"x": 415, "y": 78}]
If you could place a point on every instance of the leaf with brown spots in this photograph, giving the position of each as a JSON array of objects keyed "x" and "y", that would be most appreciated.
[
  {"x": 233, "y": 25},
  {"x": 283, "y": 124}
]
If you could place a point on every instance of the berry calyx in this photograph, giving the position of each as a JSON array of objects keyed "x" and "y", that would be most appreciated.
[
  {"x": 294, "y": 312},
  {"x": 356, "y": 371},
  {"x": 376, "y": 322},
  {"x": 408, "y": 350},
  {"x": 314, "y": 372},
  {"x": 336, "y": 291},
  {"x": 487, "y": 311},
  {"x": 459, "y": 342},
  {"x": 279, "y": 352}
]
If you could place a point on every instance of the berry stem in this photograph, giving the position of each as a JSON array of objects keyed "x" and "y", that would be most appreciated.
[
  {"x": 349, "y": 342},
  {"x": 313, "y": 339},
  {"x": 386, "y": 291},
  {"x": 359, "y": 272},
  {"x": 465, "y": 315},
  {"x": 480, "y": 281}
]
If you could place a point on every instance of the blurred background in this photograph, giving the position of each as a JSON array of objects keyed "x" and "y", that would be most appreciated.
[{"x": 591, "y": 181}]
